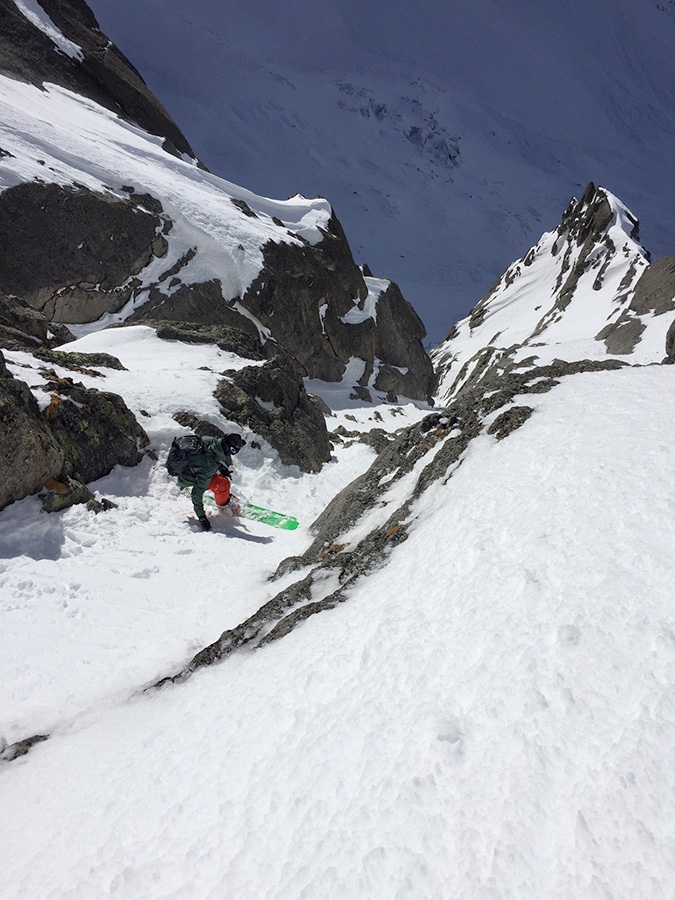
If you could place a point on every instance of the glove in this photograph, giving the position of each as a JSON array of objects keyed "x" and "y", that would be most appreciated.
[
  {"x": 204, "y": 522},
  {"x": 224, "y": 471}
]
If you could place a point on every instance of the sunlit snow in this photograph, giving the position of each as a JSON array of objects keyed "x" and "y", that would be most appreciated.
[{"x": 490, "y": 715}]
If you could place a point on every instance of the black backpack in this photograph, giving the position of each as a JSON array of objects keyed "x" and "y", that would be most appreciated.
[{"x": 182, "y": 454}]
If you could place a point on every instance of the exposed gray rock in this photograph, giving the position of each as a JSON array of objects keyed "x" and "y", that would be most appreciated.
[
  {"x": 377, "y": 438},
  {"x": 24, "y": 328},
  {"x": 584, "y": 224},
  {"x": 670, "y": 343},
  {"x": 61, "y": 495},
  {"x": 21, "y": 320},
  {"x": 655, "y": 291},
  {"x": 406, "y": 369},
  {"x": 102, "y": 505},
  {"x": 105, "y": 74},
  {"x": 244, "y": 343},
  {"x": 302, "y": 295},
  {"x": 200, "y": 304},
  {"x": 272, "y": 401},
  {"x": 8, "y": 752},
  {"x": 197, "y": 425},
  {"x": 29, "y": 454},
  {"x": 79, "y": 362},
  {"x": 509, "y": 420},
  {"x": 654, "y": 295},
  {"x": 295, "y": 282},
  {"x": 90, "y": 246},
  {"x": 361, "y": 393},
  {"x": 622, "y": 337},
  {"x": 323, "y": 406},
  {"x": 95, "y": 429}
]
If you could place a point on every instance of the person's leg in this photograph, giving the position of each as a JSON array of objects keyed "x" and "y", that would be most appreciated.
[{"x": 221, "y": 489}]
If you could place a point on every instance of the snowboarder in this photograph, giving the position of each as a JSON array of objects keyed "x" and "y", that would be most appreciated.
[{"x": 209, "y": 470}]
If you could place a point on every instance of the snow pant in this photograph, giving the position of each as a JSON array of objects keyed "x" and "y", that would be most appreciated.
[{"x": 221, "y": 489}]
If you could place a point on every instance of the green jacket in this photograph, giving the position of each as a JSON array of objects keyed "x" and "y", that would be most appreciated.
[{"x": 203, "y": 469}]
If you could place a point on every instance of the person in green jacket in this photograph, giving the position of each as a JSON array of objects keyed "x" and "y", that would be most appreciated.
[{"x": 209, "y": 471}]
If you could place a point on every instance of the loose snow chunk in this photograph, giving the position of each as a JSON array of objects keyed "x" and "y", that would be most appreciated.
[{"x": 38, "y": 17}]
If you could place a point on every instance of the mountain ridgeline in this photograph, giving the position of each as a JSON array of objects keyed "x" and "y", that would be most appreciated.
[{"x": 107, "y": 217}]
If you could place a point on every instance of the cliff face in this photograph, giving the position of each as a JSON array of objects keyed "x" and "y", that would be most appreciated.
[
  {"x": 106, "y": 217},
  {"x": 65, "y": 46},
  {"x": 128, "y": 231}
]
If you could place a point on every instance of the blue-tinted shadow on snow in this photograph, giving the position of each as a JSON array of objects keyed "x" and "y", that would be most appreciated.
[
  {"x": 227, "y": 528},
  {"x": 27, "y": 530},
  {"x": 126, "y": 481}
]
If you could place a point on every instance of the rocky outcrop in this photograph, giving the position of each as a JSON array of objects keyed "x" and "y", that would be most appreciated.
[
  {"x": 201, "y": 304},
  {"x": 94, "y": 67},
  {"x": 95, "y": 429},
  {"x": 24, "y": 328},
  {"x": 272, "y": 401},
  {"x": 91, "y": 246},
  {"x": 403, "y": 365},
  {"x": 654, "y": 295},
  {"x": 78, "y": 437},
  {"x": 79, "y": 362},
  {"x": 197, "y": 425},
  {"x": 305, "y": 295},
  {"x": 670, "y": 344},
  {"x": 29, "y": 454},
  {"x": 301, "y": 294},
  {"x": 232, "y": 340}
]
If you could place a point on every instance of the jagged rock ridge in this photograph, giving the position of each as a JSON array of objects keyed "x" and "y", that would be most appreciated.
[{"x": 588, "y": 285}]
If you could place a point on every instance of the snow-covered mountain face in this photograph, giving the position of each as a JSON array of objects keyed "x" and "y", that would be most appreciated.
[
  {"x": 446, "y": 134},
  {"x": 61, "y": 43},
  {"x": 586, "y": 290},
  {"x": 131, "y": 228},
  {"x": 454, "y": 678}
]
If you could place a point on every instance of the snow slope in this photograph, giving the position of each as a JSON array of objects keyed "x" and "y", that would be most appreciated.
[
  {"x": 490, "y": 715},
  {"x": 445, "y": 134},
  {"x": 72, "y": 140},
  {"x": 111, "y": 620}
]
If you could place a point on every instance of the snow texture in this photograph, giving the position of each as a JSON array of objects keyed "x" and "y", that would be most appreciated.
[
  {"x": 490, "y": 715},
  {"x": 74, "y": 141}
]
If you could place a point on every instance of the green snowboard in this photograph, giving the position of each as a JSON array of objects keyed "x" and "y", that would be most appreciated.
[
  {"x": 246, "y": 510},
  {"x": 266, "y": 516}
]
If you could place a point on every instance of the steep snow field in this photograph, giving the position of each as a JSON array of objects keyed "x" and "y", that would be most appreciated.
[
  {"x": 525, "y": 315},
  {"x": 447, "y": 136},
  {"x": 488, "y": 716},
  {"x": 67, "y": 139},
  {"x": 169, "y": 598}
]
